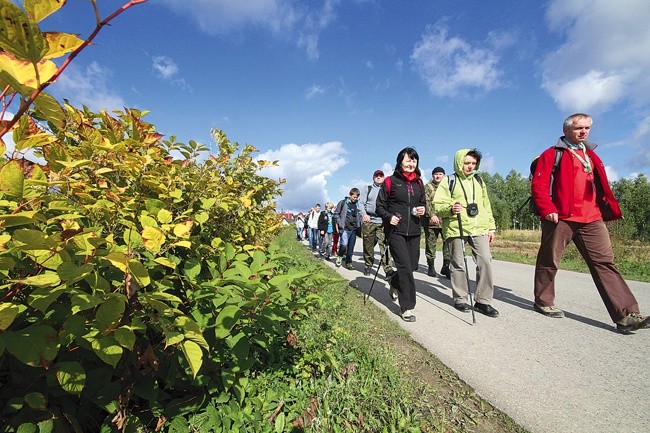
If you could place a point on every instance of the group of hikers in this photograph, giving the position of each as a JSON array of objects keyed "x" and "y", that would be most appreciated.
[{"x": 569, "y": 189}]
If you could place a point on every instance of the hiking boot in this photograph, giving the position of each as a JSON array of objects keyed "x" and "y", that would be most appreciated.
[
  {"x": 431, "y": 271},
  {"x": 632, "y": 322},
  {"x": 339, "y": 260},
  {"x": 393, "y": 293},
  {"x": 445, "y": 269},
  {"x": 551, "y": 311},
  {"x": 486, "y": 309},
  {"x": 463, "y": 307},
  {"x": 366, "y": 271},
  {"x": 390, "y": 274},
  {"x": 407, "y": 316},
  {"x": 349, "y": 266}
]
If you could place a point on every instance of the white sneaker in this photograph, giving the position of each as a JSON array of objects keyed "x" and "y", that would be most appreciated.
[{"x": 407, "y": 316}]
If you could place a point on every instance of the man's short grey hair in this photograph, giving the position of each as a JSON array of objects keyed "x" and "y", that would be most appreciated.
[{"x": 568, "y": 122}]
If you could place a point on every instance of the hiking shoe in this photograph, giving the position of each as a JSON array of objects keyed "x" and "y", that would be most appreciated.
[
  {"x": 463, "y": 307},
  {"x": 445, "y": 271},
  {"x": 349, "y": 266},
  {"x": 632, "y": 322},
  {"x": 486, "y": 309},
  {"x": 390, "y": 274},
  {"x": 407, "y": 316},
  {"x": 393, "y": 293},
  {"x": 366, "y": 271},
  {"x": 551, "y": 311},
  {"x": 431, "y": 272},
  {"x": 339, "y": 260}
]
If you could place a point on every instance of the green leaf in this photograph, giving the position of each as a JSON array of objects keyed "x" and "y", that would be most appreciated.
[
  {"x": 49, "y": 109},
  {"x": 139, "y": 271},
  {"x": 71, "y": 376},
  {"x": 8, "y": 313},
  {"x": 173, "y": 337},
  {"x": 20, "y": 218},
  {"x": 12, "y": 179},
  {"x": 42, "y": 298},
  {"x": 226, "y": 319},
  {"x": 125, "y": 336},
  {"x": 107, "y": 350},
  {"x": 193, "y": 354},
  {"x": 46, "y": 279},
  {"x": 36, "y": 400},
  {"x": 192, "y": 268},
  {"x": 71, "y": 273},
  {"x": 110, "y": 312},
  {"x": 36, "y": 345}
]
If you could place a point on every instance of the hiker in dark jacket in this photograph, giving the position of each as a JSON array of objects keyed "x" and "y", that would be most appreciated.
[{"x": 400, "y": 204}]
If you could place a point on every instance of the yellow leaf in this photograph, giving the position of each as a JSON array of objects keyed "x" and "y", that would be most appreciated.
[
  {"x": 153, "y": 239},
  {"x": 184, "y": 244},
  {"x": 12, "y": 179},
  {"x": 193, "y": 354},
  {"x": 117, "y": 259},
  {"x": 182, "y": 229},
  {"x": 60, "y": 44},
  {"x": 19, "y": 34},
  {"x": 39, "y": 9},
  {"x": 24, "y": 72}
]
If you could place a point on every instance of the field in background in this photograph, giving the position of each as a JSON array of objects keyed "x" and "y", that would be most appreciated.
[{"x": 632, "y": 257}]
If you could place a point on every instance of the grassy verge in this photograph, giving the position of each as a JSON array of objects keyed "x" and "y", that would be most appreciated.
[{"x": 360, "y": 372}]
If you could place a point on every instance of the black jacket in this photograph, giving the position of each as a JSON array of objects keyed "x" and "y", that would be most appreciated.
[{"x": 401, "y": 200}]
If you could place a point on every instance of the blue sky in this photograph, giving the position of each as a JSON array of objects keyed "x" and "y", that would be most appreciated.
[{"x": 333, "y": 89}]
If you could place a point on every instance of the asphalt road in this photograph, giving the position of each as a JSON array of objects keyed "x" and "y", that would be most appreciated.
[{"x": 575, "y": 374}]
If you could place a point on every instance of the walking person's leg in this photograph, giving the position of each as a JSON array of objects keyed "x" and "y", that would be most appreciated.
[
  {"x": 555, "y": 237},
  {"x": 593, "y": 242},
  {"x": 368, "y": 236},
  {"x": 350, "y": 248},
  {"x": 484, "y": 284},
  {"x": 457, "y": 272}
]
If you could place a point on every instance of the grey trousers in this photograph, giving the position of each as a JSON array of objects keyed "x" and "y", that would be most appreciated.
[{"x": 482, "y": 257}]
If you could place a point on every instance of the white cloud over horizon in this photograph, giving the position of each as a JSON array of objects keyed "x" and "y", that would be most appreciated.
[
  {"x": 306, "y": 168},
  {"x": 89, "y": 86}
]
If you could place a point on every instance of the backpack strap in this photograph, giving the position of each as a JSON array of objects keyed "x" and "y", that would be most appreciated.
[{"x": 387, "y": 182}]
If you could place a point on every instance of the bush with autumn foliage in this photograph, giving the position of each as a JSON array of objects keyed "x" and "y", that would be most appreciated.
[{"x": 136, "y": 284}]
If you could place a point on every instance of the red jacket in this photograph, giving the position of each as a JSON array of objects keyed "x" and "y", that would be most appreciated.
[{"x": 562, "y": 200}]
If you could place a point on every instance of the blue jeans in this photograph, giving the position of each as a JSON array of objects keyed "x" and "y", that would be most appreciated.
[
  {"x": 314, "y": 239},
  {"x": 347, "y": 240}
]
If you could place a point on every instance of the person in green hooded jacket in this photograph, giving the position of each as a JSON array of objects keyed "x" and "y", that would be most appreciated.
[{"x": 469, "y": 199}]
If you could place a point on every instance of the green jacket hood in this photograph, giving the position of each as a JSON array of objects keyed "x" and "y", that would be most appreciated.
[{"x": 459, "y": 157}]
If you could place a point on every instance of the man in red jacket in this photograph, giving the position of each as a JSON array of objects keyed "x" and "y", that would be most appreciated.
[{"x": 573, "y": 207}]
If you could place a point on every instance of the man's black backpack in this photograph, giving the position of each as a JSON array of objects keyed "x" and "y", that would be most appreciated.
[{"x": 529, "y": 201}]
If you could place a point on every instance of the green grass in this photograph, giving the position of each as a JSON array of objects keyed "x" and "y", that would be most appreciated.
[{"x": 360, "y": 372}]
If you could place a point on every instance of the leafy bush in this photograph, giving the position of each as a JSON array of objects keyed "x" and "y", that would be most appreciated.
[{"x": 136, "y": 287}]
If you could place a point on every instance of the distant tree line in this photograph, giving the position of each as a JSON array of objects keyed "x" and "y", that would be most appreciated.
[{"x": 509, "y": 197}]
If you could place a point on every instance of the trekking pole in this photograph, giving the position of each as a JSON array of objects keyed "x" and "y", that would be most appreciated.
[
  {"x": 469, "y": 288},
  {"x": 377, "y": 271}
]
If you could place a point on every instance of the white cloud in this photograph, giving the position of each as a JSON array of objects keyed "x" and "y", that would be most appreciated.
[
  {"x": 165, "y": 67},
  {"x": 314, "y": 91},
  {"x": 306, "y": 168},
  {"x": 612, "y": 175},
  {"x": 89, "y": 86},
  {"x": 283, "y": 18},
  {"x": 450, "y": 65},
  {"x": 604, "y": 59}
]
